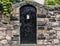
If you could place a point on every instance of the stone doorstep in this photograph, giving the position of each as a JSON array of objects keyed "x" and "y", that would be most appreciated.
[{"x": 28, "y": 44}]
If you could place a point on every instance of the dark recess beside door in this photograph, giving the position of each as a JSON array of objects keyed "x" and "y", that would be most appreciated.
[{"x": 28, "y": 24}]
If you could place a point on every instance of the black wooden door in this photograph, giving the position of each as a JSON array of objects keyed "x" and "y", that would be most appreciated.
[{"x": 28, "y": 24}]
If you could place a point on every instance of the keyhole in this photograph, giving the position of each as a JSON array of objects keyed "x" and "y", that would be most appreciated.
[{"x": 28, "y": 16}]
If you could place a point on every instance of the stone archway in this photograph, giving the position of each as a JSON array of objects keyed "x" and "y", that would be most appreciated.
[
  {"x": 35, "y": 4},
  {"x": 28, "y": 25}
]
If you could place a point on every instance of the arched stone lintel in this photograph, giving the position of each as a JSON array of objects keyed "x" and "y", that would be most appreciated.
[{"x": 35, "y": 4}]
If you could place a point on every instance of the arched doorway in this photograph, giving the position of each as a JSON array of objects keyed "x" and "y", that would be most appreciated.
[{"x": 28, "y": 24}]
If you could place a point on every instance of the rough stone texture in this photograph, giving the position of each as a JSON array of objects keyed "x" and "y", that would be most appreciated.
[{"x": 40, "y": 10}]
